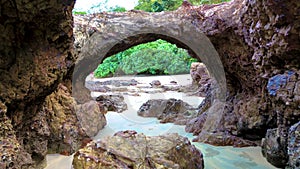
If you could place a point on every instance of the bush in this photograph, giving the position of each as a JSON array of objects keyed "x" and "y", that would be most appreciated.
[{"x": 158, "y": 57}]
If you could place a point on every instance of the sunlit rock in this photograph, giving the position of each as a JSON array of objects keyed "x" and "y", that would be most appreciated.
[{"x": 127, "y": 149}]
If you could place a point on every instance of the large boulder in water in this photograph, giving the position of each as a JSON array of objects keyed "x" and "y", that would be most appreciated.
[
  {"x": 127, "y": 149},
  {"x": 112, "y": 103},
  {"x": 171, "y": 110}
]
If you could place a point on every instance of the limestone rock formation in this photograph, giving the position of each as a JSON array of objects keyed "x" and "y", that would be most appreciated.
[
  {"x": 91, "y": 117},
  {"x": 258, "y": 46},
  {"x": 112, "y": 103},
  {"x": 201, "y": 78},
  {"x": 36, "y": 56},
  {"x": 168, "y": 111},
  {"x": 274, "y": 148},
  {"x": 294, "y": 146},
  {"x": 127, "y": 149},
  {"x": 65, "y": 130}
]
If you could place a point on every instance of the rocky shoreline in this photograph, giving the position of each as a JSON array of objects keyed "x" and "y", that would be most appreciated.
[{"x": 251, "y": 50}]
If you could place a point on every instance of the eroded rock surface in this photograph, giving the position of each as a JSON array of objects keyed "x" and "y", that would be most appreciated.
[
  {"x": 66, "y": 132},
  {"x": 201, "y": 78},
  {"x": 91, "y": 118},
  {"x": 294, "y": 146},
  {"x": 112, "y": 103},
  {"x": 274, "y": 148},
  {"x": 127, "y": 149},
  {"x": 257, "y": 42},
  {"x": 168, "y": 111},
  {"x": 258, "y": 45}
]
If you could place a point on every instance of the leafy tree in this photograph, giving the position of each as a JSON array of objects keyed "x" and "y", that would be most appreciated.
[
  {"x": 169, "y": 5},
  {"x": 157, "y": 7},
  {"x": 117, "y": 9},
  {"x": 158, "y": 57}
]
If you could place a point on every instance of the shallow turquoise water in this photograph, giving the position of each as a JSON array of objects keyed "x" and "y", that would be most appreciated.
[{"x": 214, "y": 157}]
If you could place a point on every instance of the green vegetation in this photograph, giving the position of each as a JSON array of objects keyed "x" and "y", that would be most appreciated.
[
  {"x": 79, "y": 12},
  {"x": 158, "y": 5},
  {"x": 117, "y": 9},
  {"x": 169, "y": 5},
  {"x": 158, "y": 57},
  {"x": 201, "y": 2}
]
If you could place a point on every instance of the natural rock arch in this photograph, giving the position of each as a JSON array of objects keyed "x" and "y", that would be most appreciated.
[
  {"x": 258, "y": 43},
  {"x": 115, "y": 35}
]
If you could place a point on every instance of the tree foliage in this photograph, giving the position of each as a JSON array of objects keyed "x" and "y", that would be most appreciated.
[
  {"x": 158, "y": 57},
  {"x": 169, "y": 5},
  {"x": 117, "y": 9},
  {"x": 158, "y": 5}
]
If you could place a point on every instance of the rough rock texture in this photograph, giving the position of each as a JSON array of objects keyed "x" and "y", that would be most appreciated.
[
  {"x": 294, "y": 146},
  {"x": 168, "y": 111},
  {"x": 36, "y": 53},
  {"x": 12, "y": 154},
  {"x": 201, "y": 78},
  {"x": 36, "y": 49},
  {"x": 274, "y": 148},
  {"x": 209, "y": 128},
  {"x": 127, "y": 149},
  {"x": 66, "y": 132},
  {"x": 258, "y": 46},
  {"x": 91, "y": 117},
  {"x": 257, "y": 42},
  {"x": 112, "y": 103}
]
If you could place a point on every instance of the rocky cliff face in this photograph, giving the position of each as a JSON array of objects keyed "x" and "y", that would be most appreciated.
[
  {"x": 36, "y": 107},
  {"x": 257, "y": 43}
]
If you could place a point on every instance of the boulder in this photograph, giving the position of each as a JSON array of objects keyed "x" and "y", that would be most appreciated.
[
  {"x": 112, "y": 103},
  {"x": 90, "y": 117},
  {"x": 127, "y": 149},
  {"x": 274, "y": 148},
  {"x": 155, "y": 83},
  {"x": 168, "y": 111},
  {"x": 294, "y": 146},
  {"x": 199, "y": 72}
]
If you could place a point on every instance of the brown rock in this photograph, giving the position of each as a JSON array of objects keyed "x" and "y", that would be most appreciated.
[
  {"x": 274, "y": 148},
  {"x": 168, "y": 111},
  {"x": 155, "y": 83},
  {"x": 294, "y": 146},
  {"x": 90, "y": 117},
  {"x": 112, "y": 102},
  {"x": 131, "y": 150}
]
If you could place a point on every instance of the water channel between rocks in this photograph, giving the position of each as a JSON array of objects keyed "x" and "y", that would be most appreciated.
[{"x": 214, "y": 157}]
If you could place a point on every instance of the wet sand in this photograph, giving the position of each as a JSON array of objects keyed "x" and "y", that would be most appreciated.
[{"x": 214, "y": 157}]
